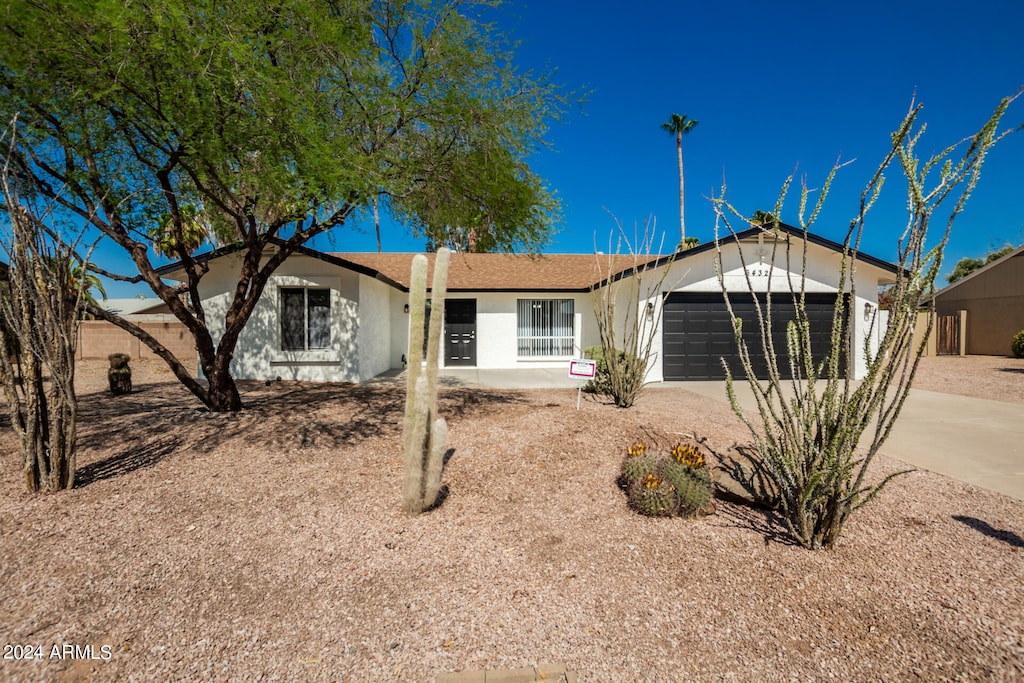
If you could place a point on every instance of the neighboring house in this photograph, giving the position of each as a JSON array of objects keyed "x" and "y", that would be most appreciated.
[
  {"x": 343, "y": 317},
  {"x": 993, "y": 297},
  {"x": 134, "y": 308}
]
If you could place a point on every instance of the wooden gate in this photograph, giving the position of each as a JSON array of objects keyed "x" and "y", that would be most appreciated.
[{"x": 947, "y": 335}]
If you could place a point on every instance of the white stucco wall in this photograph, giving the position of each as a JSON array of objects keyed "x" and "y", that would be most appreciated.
[
  {"x": 496, "y": 328},
  {"x": 374, "y": 327},
  {"x": 399, "y": 327},
  {"x": 496, "y": 325},
  {"x": 258, "y": 354}
]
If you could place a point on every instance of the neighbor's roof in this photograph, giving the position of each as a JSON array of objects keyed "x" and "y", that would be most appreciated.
[
  {"x": 130, "y": 306},
  {"x": 504, "y": 272},
  {"x": 1006, "y": 258}
]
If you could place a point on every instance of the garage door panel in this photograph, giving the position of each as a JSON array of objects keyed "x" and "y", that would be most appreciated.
[
  {"x": 720, "y": 326},
  {"x": 698, "y": 333}
]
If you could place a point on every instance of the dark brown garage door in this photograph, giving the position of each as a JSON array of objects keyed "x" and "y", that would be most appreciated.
[{"x": 697, "y": 333}]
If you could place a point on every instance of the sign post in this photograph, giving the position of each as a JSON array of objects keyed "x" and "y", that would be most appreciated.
[{"x": 582, "y": 369}]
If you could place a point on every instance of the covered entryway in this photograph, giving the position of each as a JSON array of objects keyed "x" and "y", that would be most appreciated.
[
  {"x": 697, "y": 333},
  {"x": 460, "y": 332}
]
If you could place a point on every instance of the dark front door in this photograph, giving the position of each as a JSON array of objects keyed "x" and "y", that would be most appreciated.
[
  {"x": 459, "y": 332},
  {"x": 697, "y": 334}
]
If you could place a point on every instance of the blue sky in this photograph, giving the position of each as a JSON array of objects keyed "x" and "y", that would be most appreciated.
[{"x": 776, "y": 87}]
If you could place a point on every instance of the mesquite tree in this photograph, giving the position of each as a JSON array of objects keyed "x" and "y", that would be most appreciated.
[
  {"x": 425, "y": 433},
  {"x": 235, "y": 122},
  {"x": 38, "y": 306},
  {"x": 818, "y": 433}
]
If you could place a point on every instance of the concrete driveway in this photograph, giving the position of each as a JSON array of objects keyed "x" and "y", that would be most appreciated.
[
  {"x": 971, "y": 439},
  {"x": 974, "y": 440}
]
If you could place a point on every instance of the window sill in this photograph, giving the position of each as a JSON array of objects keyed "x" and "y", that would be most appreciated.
[
  {"x": 317, "y": 357},
  {"x": 303, "y": 363}
]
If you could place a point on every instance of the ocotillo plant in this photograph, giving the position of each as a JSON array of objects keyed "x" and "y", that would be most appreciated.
[{"x": 425, "y": 433}]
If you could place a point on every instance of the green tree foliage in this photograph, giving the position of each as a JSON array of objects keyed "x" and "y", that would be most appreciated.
[
  {"x": 489, "y": 202},
  {"x": 968, "y": 265},
  {"x": 259, "y": 122},
  {"x": 764, "y": 219}
]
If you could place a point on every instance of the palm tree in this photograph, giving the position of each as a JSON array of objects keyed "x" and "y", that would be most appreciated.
[
  {"x": 81, "y": 277},
  {"x": 679, "y": 126},
  {"x": 764, "y": 219},
  {"x": 194, "y": 232}
]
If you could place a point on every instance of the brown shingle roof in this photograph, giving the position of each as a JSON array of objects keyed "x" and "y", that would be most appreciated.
[{"x": 502, "y": 272}]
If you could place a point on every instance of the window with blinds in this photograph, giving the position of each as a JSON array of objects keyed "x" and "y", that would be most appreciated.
[{"x": 544, "y": 327}]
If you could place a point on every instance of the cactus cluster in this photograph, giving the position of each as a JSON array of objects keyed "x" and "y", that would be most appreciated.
[
  {"x": 677, "y": 484},
  {"x": 425, "y": 433}
]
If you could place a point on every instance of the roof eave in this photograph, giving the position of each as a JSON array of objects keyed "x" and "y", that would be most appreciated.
[
  {"x": 988, "y": 266},
  {"x": 171, "y": 269}
]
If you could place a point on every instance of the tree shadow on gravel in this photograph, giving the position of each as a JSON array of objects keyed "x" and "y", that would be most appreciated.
[
  {"x": 740, "y": 478},
  {"x": 767, "y": 523},
  {"x": 1019, "y": 371},
  {"x": 984, "y": 527},
  {"x": 132, "y": 459},
  {"x": 159, "y": 419}
]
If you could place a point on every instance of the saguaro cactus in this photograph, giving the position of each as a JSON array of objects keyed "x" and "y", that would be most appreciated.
[{"x": 425, "y": 433}]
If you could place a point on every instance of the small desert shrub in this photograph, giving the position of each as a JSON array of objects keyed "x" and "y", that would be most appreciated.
[
  {"x": 602, "y": 382},
  {"x": 1017, "y": 345},
  {"x": 667, "y": 485}
]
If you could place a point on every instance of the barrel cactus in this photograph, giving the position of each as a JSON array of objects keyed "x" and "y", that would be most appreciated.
[
  {"x": 676, "y": 484},
  {"x": 652, "y": 496},
  {"x": 637, "y": 463},
  {"x": 692, "y": 486}
]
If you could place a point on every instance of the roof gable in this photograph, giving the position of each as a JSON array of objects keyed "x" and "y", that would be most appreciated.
[{"x": 985, "y": 269}]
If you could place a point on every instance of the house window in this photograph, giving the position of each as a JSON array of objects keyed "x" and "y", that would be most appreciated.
[
  {"x": 545, "y": 327},
  {"x": 305, "y": 318}
]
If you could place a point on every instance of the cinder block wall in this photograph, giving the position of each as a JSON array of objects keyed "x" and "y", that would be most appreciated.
[{"x": 97, "y": 339}]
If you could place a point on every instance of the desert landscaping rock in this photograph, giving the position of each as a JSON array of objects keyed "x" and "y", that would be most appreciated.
[{"x": 270, "y": 544}]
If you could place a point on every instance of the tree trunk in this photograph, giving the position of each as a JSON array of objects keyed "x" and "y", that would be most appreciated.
[
  {"x": 222, "y": 392},
  {"x": 682, "y": 221},
  {"x": 376, "y": 221}
]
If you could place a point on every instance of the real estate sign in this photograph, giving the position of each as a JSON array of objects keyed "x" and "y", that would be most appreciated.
[{"x": 582, "y": 369}]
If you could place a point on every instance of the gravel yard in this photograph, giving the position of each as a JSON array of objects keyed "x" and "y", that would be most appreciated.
[
  {"x": 997, "y": 378},
  {"x": 270, "y": 544}
]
